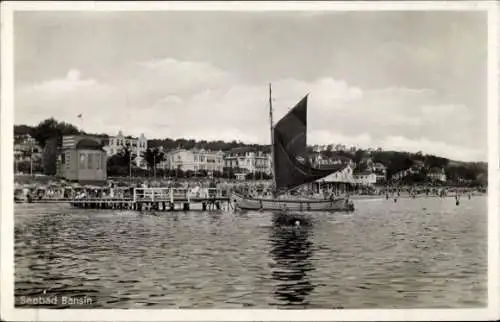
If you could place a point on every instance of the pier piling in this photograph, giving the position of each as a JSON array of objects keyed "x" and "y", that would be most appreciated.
[{"x": 156, "y": 199}]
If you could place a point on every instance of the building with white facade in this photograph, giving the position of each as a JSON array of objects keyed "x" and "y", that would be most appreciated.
[
  {"x": 194, "y": 160},
  {"x": 365, "y": 178},
  {"x": 319, "y": 161},
  {"x": 115, "y": 144},
  {"x": 437, "y": 174},
  {"x": 380, "y": 171},
  {"x": 26, "y": 148},
  {"x": 249, "y": 162}
]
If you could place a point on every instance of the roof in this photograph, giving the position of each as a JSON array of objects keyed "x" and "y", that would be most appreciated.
[
  {"x": 88, "y": 144},
  {"x": 241, "y": 149},
  {"x": 363, "y": 173},
  {"x": 332, "y": 167}
]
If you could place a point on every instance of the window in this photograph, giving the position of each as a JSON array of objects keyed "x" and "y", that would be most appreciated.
[
  {"x": 82, "y": 160},
  {"x": 90, "y": 161},
  {"x": 67, "y": 159},
  {"x": 98, "y": 161}
]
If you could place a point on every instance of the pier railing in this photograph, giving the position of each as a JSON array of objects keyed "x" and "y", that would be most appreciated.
[{"x": 173, "y": 194}]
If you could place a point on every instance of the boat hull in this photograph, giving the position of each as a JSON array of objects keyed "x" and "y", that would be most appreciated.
[{"x": 248, "y": 203}]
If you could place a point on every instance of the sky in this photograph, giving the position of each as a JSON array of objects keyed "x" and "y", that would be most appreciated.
[{"x": 410, "y": 81}]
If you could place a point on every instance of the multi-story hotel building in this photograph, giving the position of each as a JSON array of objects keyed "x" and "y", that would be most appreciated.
[
  {"x": 194, "y": 160},
  {"x": 26, "y": 148},
  {"x": 249, "y": 162},
  {"x": 139, "y": 145}
]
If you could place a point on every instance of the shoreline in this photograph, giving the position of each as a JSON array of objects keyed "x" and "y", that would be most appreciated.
[{"x": 368, "y": 197}]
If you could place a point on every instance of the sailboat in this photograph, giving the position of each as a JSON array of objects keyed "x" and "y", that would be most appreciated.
[{"x": 292, "y": 168}]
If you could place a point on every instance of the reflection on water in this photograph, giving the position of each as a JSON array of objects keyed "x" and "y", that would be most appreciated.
[
  {"x": 291, "y": 251},
  {"x": 426, "y": 253}
]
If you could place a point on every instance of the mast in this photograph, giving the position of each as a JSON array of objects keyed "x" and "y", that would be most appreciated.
[{"x": 272, "y": 134}]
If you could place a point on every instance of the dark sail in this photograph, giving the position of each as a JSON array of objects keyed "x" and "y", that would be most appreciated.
[{"x": 291, "y": 163}]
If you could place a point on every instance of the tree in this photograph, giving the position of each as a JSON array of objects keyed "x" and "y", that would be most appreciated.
[
  {"x": 50, "y": 128},
  {"x": 358, "y": 156},
  {"x": 153, "y": 156},
  {"x": 328, "y": 154},
  {"x": 22, "y": 129},
  {"x": 49, "y": 156},
  {"x": 127, "y": 155},
  {"x": 362, "y": 166},
  {"x": 116, "y": 167},
  {"x": 431, "y": 161}
]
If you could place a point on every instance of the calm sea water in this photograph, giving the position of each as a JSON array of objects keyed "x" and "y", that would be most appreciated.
[{"x": 416, "y": 253}]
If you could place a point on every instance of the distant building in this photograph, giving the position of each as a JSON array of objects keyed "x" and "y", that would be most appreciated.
[
  {"x": 380, "y": 171},
  {"x": 366, "y": 178},
  {"x": 82, "y": 158},
  {"x": 338, "y": 182},
  {"x": 26, "y": 149},
  {"x": 248, "y": 162},
  {"x": 343, "y": 175},
  {"x": 379, "y": 167},
  {"x": 437, "y": 174},
  {"x": 317, "y": 148},
  {"x": 403, "y": 173},
  {"x": 319, "y": 161},
  {"x": 115, "y": 144},
  {"x": 340, "y": 147},
  {"x": 195, "y": 160}
]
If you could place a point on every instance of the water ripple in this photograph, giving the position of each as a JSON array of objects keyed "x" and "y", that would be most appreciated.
[{"x": 384, "y": 255}]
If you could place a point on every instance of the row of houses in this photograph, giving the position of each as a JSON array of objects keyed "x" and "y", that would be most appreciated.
[
  {"x": 86, "y": 157},
  {"x": 340, "y": 148},
  {"x": 434, "y": 174},
  {"x": 83, "y": 157},
  {"x": 212, "y": 161},
  {"x": 26, "y": 148}
]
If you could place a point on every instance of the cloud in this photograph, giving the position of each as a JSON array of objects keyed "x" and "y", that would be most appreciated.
[
  {"x": 70, "y": 83},
  {"x": 172, "y": 98},
  {"x": 62, "y": 98},
  {"x": 180, "y": 77}
]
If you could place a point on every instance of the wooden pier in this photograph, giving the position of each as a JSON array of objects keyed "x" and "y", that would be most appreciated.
[{"x": 159, "y": 199}]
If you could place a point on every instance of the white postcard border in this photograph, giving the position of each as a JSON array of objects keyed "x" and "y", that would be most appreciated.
[{"x": 7, "y": 311}]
